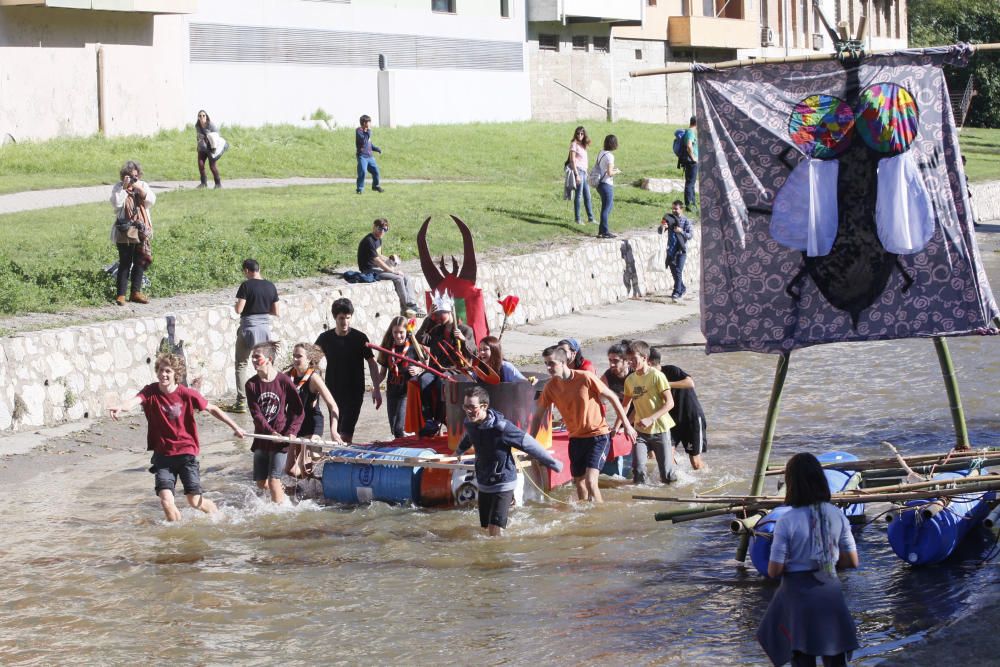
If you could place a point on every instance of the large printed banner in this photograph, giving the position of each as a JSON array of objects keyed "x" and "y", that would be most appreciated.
[{"x": 834, "y": 205}]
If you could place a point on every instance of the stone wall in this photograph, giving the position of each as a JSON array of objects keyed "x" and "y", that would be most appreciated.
[
  {"x": 986, "y": 201},
  {"x": 59, "y": 375}
]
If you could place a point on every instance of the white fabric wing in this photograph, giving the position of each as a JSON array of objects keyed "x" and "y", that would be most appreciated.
[
  {"x": 805, "y": 208},
  {"x": 904, "y": 214}
]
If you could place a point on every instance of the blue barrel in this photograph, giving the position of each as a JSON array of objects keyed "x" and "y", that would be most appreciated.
[
  {"x": 841, "y": 480},
  {"x": 923, "y": 541},
  {"x": 354, "y": 483},
  {"x": 760, "y": 540}
]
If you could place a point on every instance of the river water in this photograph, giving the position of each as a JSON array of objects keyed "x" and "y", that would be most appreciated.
[{"x": 92, "y": 575}]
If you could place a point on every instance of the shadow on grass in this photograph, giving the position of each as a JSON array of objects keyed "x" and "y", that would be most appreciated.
[{"x": 531, "y": 218}]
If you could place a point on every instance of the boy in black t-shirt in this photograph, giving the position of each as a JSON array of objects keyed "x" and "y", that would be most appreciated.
[
  {"x": 371, "y": 260},
  {"x": 690, "y": 427},
  {"x": 256, "y": 301},
  {"x": 346, "y": 354}
]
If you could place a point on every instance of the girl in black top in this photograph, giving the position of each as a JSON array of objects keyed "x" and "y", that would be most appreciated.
[{"x": 308, "y": 382}]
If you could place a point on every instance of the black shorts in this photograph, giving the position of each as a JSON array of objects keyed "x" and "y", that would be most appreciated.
[
  {"x": 696, "y": 438},
  {"x": 350, "y": 410},
  {"x": 493, "y": 508},
  {"x": 588, "y": 453},
  {"x": 168, "y": 468}
]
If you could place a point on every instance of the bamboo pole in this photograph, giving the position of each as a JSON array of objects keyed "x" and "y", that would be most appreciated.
[
  {"x": 730, "y": 64},
  {"x": 764, "y": 453},
  {"x": 697, "y": 509},
  {"x": 916, "y": 462},
  {"x": 851, "y": 495},
  {"x": 954, "y": 399}
]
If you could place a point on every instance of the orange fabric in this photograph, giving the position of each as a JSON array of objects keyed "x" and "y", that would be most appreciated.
[
  {"x": 578, "y": 401},
  {"x": 414, "y": 419}
]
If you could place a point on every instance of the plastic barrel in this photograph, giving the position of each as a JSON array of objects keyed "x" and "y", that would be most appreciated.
[
  {"x": 841, "y": 480},
  {"x": 923, "y": 541},
  {"x": 362, "y": 483},
  {"x": 760, "y": 540}
]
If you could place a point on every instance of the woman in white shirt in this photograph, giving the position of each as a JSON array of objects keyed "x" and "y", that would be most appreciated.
[
  {"x": 808, "y": 616},
  {"x": 578, "y": 163},
  {"x": 606, "y": 185}
]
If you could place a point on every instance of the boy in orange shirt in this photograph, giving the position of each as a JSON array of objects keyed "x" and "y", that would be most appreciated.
[{"x": 577, "y": 395}]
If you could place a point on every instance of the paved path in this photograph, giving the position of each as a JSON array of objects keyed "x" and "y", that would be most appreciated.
[{"x": 33, "y": 200}]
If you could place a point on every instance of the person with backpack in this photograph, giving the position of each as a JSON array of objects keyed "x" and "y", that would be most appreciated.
[
  {"x": 577, "y": 163},
  {"x": 686, "y": 150},
  {"x": 602, "y": 177}
]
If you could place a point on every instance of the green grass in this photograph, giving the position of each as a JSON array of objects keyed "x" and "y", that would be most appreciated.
[
  {"x": 478, "y": 152},
  {"x": 981, "y": 148},
  {"x": 503, "y": 179},
  {"x": 52, "y": 259}
]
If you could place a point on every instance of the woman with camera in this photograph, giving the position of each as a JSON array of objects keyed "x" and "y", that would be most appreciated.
[{"x": 132, "y": 230}]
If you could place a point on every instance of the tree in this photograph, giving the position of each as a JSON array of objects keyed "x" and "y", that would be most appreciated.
[{"x": 938, "y": 22}]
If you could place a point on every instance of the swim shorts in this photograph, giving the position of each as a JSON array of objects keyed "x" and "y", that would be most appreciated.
[{"x": 587, "y": 453}]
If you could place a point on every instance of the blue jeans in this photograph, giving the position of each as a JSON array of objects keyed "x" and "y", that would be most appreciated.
[
  {"x": 395, "y": 395},
  {"x": 607, "y": 193},
  {"x": 582, "y": 188},
  {"x": 690, "y": 176},
  {"x": 367, "y": 165},
  {"x": 676, "y": 266}
]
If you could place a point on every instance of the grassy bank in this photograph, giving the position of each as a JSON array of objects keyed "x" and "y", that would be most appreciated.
[
  {"x": 503, "y": 179},
  {"x": 52, "y": 259},
  {"x": 490, "y": 153}
]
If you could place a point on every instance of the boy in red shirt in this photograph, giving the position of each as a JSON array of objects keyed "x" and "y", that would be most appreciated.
[{"x": 173, "y": 433}]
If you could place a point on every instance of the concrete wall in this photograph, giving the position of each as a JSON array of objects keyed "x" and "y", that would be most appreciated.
[
  {"x": 59, "y": 375},
  {"x": 48, "y": 72},
  {"x": 589, "y": 73}
]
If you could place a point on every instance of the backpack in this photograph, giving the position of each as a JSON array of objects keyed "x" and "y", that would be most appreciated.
[
  {"x": 679, "y": 147},
  {"x": 596, "y": 173}
]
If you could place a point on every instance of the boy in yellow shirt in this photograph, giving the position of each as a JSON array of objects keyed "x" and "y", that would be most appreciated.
[{"x": 648, "y": 391}]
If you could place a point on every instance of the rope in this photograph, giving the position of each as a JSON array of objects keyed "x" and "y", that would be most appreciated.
[{"x": 542, "y": 491}]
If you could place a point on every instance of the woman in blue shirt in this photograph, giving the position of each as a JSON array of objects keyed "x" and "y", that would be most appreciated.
[{"x": 808, "y": 616}]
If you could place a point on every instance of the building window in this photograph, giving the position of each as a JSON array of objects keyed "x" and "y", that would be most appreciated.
[
  {"x": 651, "y": 3},
  {"x": 602, "y": 44},
  {"x": 505, "y": 9},
  {"x": 443, "y": 6},
  {"x": 638, "y": 54},
  {"x": 548, "y": 42},
  {"x": 580, "y": 42}
]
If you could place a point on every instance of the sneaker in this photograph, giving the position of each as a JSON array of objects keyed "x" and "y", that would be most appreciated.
[
  {"x": 139, "y": 297},
  {"x": 377, "y": 188},
  {"x": 359, "y": 191},
  {"x": 591, "y": 220},
  {"x": 218, "y": 186},
  {"x": 579, "y": 222},
  {"x": 120, "y": 300},
  {"x": 609, "y": 235},
  {"x": 201, "y": 186},
  {"x": 236, "y": 407}
]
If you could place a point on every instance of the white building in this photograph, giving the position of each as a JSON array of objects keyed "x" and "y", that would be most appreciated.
[{"x": 75, "y": 67}]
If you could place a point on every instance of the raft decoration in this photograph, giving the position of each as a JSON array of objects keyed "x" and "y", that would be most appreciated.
[{"x": 509, "y": 305}]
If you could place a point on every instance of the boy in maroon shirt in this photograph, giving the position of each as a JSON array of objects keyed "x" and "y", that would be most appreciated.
[
  {"x": 173, "y": 433},
  {"x": 276, "y": 409}
]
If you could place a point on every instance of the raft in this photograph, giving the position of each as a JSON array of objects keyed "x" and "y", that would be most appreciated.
[
  {"x": 354, "y": 483},
  {"x": 923, "y": 532}
]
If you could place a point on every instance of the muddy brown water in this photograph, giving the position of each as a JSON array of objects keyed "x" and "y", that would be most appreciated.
[{"x": 91, "y": 574}]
